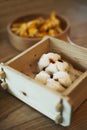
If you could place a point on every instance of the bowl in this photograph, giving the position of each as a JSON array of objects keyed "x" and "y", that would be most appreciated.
[{"x": 22, "y": 43}]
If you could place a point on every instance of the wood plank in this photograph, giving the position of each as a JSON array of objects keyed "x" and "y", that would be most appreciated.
[
  {"x": 33, "y": 93},
  {"x": 80, "y": 87},
  {"x": 76, "y": 55}
]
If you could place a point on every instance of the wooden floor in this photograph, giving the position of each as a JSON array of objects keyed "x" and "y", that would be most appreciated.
[{"x": 14, "y": 114}]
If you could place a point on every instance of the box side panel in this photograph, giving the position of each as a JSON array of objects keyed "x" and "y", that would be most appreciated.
[
  {"x": 75, "y": 55},
  {"x": 77, "y": 92},
  {"x": 30, "y": 55},
  {"x": 27, "y": 61},
  {"x": 36, "y": 95}
]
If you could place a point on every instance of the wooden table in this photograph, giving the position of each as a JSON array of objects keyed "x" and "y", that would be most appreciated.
[{"x": 14, "y": 114}]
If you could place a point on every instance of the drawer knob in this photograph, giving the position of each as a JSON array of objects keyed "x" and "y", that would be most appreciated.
[
  {"x": 60, "y": 107},
  {"x": 4, "y": 85},
  {"x": 2, "y": 74},
  {"x": 59, "y": 119}
]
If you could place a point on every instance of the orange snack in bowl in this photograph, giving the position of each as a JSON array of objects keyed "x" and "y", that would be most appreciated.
[{"x": 38, "y": 27}]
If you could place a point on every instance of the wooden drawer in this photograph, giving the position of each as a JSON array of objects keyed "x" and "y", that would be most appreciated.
[{"x": 17, "y": 76}]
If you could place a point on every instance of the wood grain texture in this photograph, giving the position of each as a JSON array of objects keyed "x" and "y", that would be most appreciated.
[{"x": 15, "y": 115}]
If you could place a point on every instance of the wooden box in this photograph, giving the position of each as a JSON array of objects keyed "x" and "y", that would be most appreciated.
[{"x": 17, "y": 75}]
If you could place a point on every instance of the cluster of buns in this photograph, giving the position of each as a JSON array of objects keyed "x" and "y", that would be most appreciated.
[{"x": 56, "y": 73}]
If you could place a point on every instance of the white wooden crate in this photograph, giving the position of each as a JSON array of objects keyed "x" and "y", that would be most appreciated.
[{"x": 19, "y": 75}]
